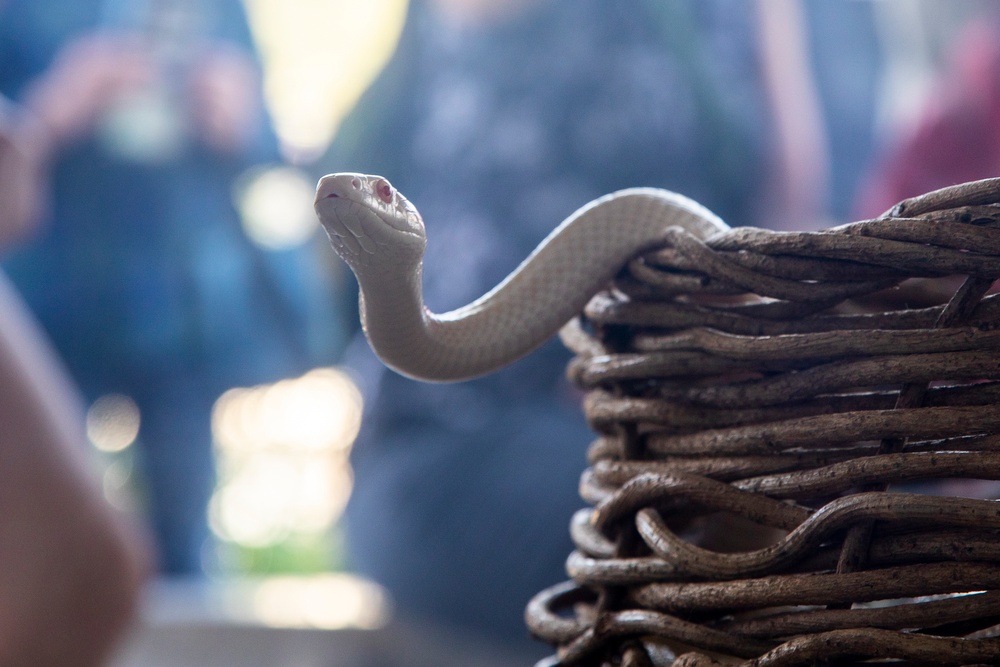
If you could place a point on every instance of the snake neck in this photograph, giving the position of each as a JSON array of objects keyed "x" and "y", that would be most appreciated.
[
  {"x": 394, "y": 318},
  {"x": 447, "y": 347},
  {"x": 549, "y": 288}
]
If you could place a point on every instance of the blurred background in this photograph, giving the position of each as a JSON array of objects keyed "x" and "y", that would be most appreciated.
[
  {"x": 238, "y": 219},
  {"x": 174, "y": 259}
]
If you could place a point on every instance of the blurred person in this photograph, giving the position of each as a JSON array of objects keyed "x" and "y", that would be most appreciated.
[
  {"x": 498, "y": 119},
  {"x": 21, "y": 172},
  {"x": 72, "y": 567},
  {"x": 822, "y": 68},
  {"x": 956, "y": 135},
  {"x": 142, "y": 115},
  {"x": 955, "y": 139}
]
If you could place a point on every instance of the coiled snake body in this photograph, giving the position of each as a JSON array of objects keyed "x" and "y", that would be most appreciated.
[{"x": 380, "y": 235}]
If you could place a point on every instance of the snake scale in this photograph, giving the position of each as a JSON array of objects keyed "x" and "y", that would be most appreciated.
[{"x": 381, "y": 236}]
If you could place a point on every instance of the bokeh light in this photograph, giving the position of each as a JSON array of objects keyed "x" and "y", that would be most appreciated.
[
  {"x": 276, "y": 207},
  {"x": 118, "y": 482},
  {"x": 113, "y": 422},
  {"x": 283, "y": 457},
  {"x": 319, "y": 411},
  {"x": 327, "y": 602}
]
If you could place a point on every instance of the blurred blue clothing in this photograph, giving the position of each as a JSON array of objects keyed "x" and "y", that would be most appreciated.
[
  {"x": 463, "y": 493},
  {"x": 147, "y": 284}
]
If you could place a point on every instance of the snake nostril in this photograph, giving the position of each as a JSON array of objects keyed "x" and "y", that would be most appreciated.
[{"x": 356, "y": 183}]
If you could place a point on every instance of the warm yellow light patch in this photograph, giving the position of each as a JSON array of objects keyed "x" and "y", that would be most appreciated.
[{"x": 319, "y": 56}]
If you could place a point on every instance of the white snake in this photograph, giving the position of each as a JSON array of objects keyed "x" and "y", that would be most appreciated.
[{"x": 380, "y": 234}]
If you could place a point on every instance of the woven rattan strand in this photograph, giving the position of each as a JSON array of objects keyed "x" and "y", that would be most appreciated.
[{"x": 794, "y": 431}]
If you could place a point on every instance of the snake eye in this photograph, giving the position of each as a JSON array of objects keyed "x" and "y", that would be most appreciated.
[{"x": 384, "y": 190}]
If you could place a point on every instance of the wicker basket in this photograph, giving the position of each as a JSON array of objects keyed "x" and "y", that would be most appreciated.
[{"x": 815, "y": 398}]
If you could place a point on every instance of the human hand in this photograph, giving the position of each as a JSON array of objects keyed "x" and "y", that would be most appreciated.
[
  {"x": 23, "y": 177},
  {"x": 87, "y": 77},
  {"x": 225, "y": 99}
]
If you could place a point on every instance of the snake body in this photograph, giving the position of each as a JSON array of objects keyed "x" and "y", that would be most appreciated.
[{"x": 380, "y": 235}]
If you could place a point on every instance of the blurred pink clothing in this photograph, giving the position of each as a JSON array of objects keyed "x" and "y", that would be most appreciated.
[{"x": 957, "y": 138}]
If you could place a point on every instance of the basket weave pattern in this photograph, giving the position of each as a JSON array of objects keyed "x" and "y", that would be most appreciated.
[{"x": 815, "y": 390}]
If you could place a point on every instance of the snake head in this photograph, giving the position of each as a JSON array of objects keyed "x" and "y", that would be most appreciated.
[{"x": 369, "y": 222}]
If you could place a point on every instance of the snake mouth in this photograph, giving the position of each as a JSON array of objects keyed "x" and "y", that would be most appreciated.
[{"x": 334, "y": 186}]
